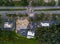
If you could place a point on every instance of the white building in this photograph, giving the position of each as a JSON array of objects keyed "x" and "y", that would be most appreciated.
[
  {"x": 45, "y": 24},
  {"x": 47, "y": 1},
  {"x": 56, "y": 2},
  {"x": 8, "y": 25},
  {"x": 30, "y": 34}
]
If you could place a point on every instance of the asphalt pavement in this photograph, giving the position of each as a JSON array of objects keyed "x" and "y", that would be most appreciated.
[{"x": 25, "y": 7}]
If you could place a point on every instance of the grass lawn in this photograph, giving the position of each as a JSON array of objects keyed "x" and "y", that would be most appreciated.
[
  {"x": 12, "y": 9},
  {"x": 9, "y": 37},
  {"x": 21, "y": 41}
]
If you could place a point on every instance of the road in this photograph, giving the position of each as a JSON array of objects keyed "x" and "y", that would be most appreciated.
[
  {"x": 4, "y": 13},
  {"x": 48, "y": 12},
  {"x": 25, "y": 11},
  {"x": 40, "y": 7},
  {"x": 33, "y": 8},
  {"x": 13, "y": 12},
  {"x": 46, "y": 7}
]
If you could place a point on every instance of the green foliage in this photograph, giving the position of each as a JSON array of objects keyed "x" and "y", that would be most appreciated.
[
  {"x": 24, "y": 2},
  {"x": 47, "y": 35},
  {"x": 33, "y": 4},
  {"x": 13, "y": 3},
  {"x": 17, "y": 3},
  {"x": 39, "y": 17},
  {"x": 7, "y": 35},
  {"x": 11, "y": 15},
  {"x": 59, "y": 2},
  {"x": 10, "y": 37},
  {"x": 6, "y": 3},
  {"x": 42, "y": 3},
  {"x": 0, "y": 19},
  {"x": 51, "y": 3},
  {"x": 31, "y": 19},
  {"x": 21, "y": 3},
  {"x": 22, "y": 15}
]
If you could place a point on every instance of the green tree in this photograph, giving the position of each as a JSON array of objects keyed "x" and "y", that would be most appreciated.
[
  {"x": 0, "y": 19},
  {"x": 41, "y": 3},
  {"x": 48, "y": 35},
  {"x": 31, "y": 19},
  {"x": 52, "y": 3},
  {"x": 23, "y": 15},
  {"x": 6, "y": 3},
  {"x": 24, "y": 2}
]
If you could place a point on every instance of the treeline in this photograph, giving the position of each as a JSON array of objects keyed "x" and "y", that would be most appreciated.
[
  {"x": 48, "y": 35},
  {"x": 13, "y": 3}
]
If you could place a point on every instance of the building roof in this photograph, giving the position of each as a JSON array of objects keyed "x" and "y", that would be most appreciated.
[
  {"x": 55, "y": 22},
  {"x": 56, "y": 0},
  {"x": 45, "y": 24},
  {"x": 30, "y": 34},
  {"x": 32, "y": 26},
  {"x": 8, "y": 25},
  {"x": 47, "y": 1},
  {"x": 50, "y": 1},
  {"x": 22, "y": 23},
  {"x": 48, "y": 23},
  {"x": 22, "y": 32}
]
